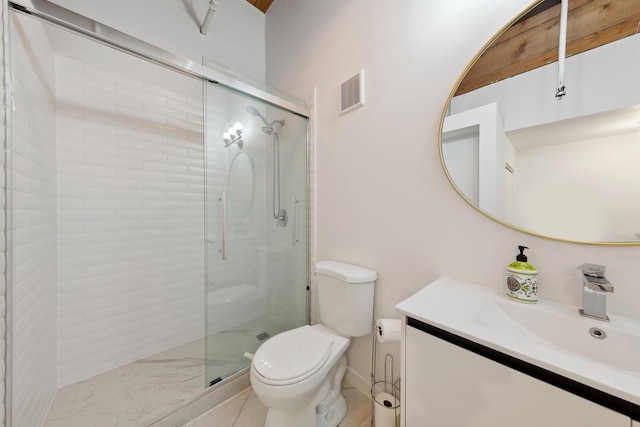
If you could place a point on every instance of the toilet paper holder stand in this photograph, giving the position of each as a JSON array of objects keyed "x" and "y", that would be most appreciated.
[{"x": 386, "y": 385}]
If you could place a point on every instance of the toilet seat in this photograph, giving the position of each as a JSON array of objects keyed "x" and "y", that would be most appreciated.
[{"x": 292, "y": 356}]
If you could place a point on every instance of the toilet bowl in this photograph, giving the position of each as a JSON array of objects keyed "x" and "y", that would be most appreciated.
[
  {"x": 298, "y": 374},
  {"x": 296, "y": 371}
]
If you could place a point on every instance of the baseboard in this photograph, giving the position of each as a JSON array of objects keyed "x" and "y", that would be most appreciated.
[{"x": 361, "y": 384}]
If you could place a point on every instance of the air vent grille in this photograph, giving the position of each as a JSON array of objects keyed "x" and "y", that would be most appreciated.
[{"x": 352, "y": 93}]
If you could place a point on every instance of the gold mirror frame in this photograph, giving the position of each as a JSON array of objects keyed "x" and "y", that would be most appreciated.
[{"x": 464, "y": 73}]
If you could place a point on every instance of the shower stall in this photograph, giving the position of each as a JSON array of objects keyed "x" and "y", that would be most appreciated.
[{"x": 157, "y": 225}]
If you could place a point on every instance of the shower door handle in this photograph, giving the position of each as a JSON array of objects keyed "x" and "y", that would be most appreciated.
[
  {"x": 223, "y": 199},
  {"x": 294, "y": 236}
]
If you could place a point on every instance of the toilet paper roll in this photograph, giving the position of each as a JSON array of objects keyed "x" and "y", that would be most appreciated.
[
  {"x": 388, "y": 330},
  {"x": 387, "y": 408}
]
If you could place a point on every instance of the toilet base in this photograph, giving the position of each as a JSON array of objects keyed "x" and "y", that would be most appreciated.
[
  {"x": 326, "y": 409},
  {"x": 333, "y": 407},
  {"x": 330, "y": 417},
  {"x": 333, "y": 415},
  {"x": 304, "y": 418}
]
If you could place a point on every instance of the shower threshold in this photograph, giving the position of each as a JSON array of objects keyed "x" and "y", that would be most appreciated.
[{"x": 141, "y": 392}]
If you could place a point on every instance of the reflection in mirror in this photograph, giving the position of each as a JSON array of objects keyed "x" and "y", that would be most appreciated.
[
  {"x": 240, "y": 186},
  {"x": 567, "y": 169}
]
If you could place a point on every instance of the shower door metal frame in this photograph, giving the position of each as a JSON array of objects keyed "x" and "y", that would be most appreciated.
[
  {"x": 106, "y": 35},
  {"x": 8, "y": 219}
]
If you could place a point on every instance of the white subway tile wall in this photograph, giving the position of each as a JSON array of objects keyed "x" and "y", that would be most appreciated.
[
  {"x": 34, "y": 224},
  {"x": 244, "y": 267},
  {"x": 130, "y": 214},
  {"x": 3, "y": 265},
  {"x": 287, "y": 262},
  {"x": 261, "y": 255}
]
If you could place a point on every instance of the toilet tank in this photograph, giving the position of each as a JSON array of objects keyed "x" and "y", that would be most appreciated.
[{"x": 345, "y": 297}]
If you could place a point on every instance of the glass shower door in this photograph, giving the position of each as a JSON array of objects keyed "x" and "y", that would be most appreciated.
[{"x": 256, "y": 222}]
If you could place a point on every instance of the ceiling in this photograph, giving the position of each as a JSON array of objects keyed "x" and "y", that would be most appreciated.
[
  {"x": 262, "y": 5},
  {"x": 532, "y": 41},
  {"x": 611, "y": 123}
]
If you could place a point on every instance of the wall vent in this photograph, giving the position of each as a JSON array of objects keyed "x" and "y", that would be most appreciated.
[{"x": 352, "y": 93}]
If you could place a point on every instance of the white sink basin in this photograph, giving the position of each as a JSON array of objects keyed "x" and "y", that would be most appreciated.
[
  {"x": 550, "y": 335},
  {"x": 561, "y": 327}
]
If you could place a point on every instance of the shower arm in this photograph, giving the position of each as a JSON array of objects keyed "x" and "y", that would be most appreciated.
[
  {"x": 562, "y": 48},
  {"x": 207, "y": 19}
]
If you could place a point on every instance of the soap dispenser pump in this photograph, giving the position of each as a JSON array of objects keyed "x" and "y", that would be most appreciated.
[{"x": 522, "y": 279}]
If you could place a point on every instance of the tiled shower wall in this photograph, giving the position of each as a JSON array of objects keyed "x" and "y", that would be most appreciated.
[
  {"x": 130, "y": 214},
  {"x": 261, "y": 257},
  {"x": 34, "y": 224},
  {"x": 3, "y": 256},
  {"x": 240, "y": 279},
  {"x": 287, "y": 261}
]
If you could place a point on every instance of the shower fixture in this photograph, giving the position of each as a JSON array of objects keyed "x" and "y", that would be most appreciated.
[
  {"x": 268, "y": 127},
  {"x": 233, "y": 135},
  {"x": 207, "y": 19},
  {"x": 280, "y": 215},
  {"x": 562, "y": 46}
]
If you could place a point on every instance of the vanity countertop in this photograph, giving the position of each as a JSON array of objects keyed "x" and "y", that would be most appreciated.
[{"x": 549, "y": 335}]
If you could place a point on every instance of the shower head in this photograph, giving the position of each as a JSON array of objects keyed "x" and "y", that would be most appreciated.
[
  {"x": 252, "y": 110},
  {"x": 268, "y": 127}
]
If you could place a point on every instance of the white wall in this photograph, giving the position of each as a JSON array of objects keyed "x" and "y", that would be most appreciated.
[
  {"x": 490, "y": 156},
  {"x": 460, "y": 150},
  {"x": 383, "y": 199},
  {"x": 235, "y": 37},
  {"x": 34, "y": 300},
  {"x": 568, "y": 181}
]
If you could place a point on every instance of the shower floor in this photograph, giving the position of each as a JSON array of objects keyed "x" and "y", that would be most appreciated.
[{"x": 139, "y": 393}]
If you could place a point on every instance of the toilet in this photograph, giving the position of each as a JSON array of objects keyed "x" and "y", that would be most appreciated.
[{"x": 297, "y": 374}]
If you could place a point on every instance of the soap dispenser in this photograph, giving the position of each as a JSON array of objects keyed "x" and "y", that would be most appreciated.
[{"x": 522, "y": 279}]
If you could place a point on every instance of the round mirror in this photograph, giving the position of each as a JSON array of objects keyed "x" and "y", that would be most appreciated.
[
  {"x": 240, "y": 186},
  {"x": 564, "y": 167}
]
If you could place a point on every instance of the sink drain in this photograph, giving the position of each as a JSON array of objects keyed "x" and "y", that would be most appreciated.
[{"x": 597, "y": 333}]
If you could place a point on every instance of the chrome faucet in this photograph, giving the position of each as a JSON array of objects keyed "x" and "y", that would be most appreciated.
[{"x": 594, "y": 291}]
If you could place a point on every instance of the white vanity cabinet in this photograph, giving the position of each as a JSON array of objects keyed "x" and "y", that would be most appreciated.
[{"x": 446, "y": 385}]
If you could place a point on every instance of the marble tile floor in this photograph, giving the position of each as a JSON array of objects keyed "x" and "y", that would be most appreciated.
[
  {"x": 137, "y": 394},
  {"x": 225, "y": 352},
  {"x": 245, "y": 410}
]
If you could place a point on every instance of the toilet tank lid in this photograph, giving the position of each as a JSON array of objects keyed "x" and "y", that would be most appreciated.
[{"x": 346, "y": 272}]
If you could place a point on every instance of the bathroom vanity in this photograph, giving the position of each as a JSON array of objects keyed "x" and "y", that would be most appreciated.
[{"x": 473, "y": 357}]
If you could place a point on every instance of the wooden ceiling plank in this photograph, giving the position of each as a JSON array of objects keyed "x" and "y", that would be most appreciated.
[
  {"x": 592, "y": 23},
  {"x": 544, "y": 58},
  {"x": 550, "y": 14},
  {"x": 580, "y": 10},
  {"x": 263, "y": 5}
]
